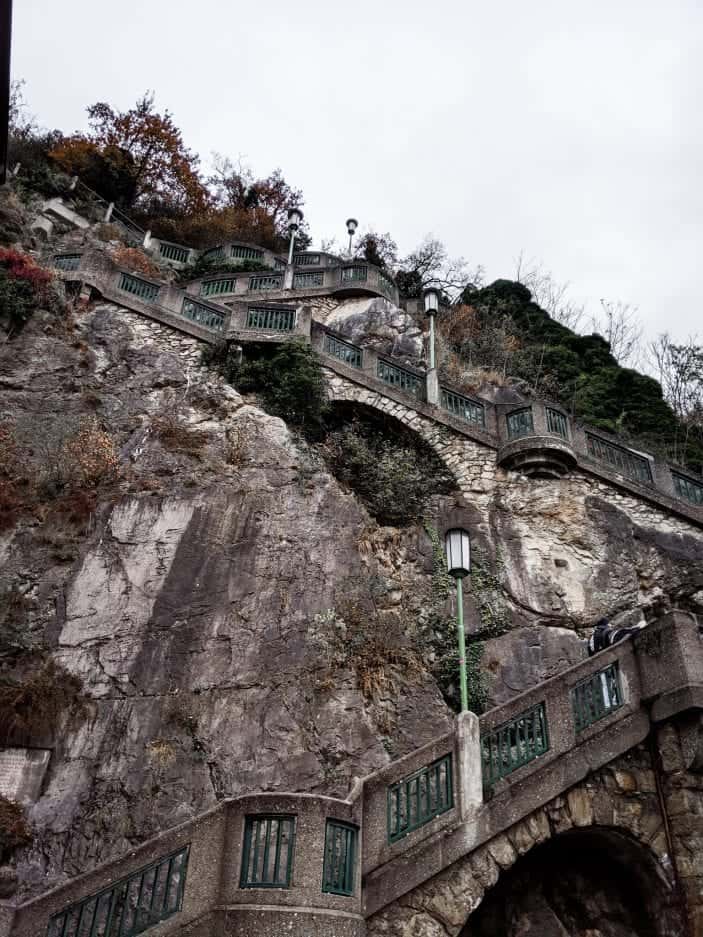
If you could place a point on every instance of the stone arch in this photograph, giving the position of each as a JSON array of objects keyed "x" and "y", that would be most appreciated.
[
  {"x": 443, "y": 905},
  {"x": 473, "y": 465}
]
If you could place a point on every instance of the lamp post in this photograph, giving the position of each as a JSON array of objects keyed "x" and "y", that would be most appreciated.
[
  {"x": 5, "y": 47},
  {"x": 295, "y": 216},
  {"x": 352, "y": 225},
  {"x": 431, "y": 296},
  {"x": 458, "y": 552}
]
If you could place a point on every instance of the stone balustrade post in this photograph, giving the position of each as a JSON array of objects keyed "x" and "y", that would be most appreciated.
[
  {"x": 147, "y": 241},
  {"x": 432, "y": 387},
  {"x": 469, "y": 776},
  {"x": 108, "y": 212},
  {"x": 74, "y": 183},
  {"x": 288, "y": 277}
]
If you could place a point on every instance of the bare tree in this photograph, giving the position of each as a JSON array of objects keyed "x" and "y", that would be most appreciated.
[
  {"x": 679, "y": 369},
  {"x": 620, "y": 325},
  {"x": 548, "y": 293},
  {"x": 430, "y": 263}
]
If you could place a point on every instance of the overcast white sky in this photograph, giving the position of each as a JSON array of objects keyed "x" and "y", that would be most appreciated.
[{"x": 570, "y": 129}]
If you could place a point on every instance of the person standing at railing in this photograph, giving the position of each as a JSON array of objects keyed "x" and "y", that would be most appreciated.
[{"x": 604, "y": 635}]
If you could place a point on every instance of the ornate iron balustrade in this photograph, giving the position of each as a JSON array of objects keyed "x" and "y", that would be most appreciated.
[
  {"x": 131, "y": 905},
  {"x": 399, "y": 377},
  {"x": 357, "y": 273},
  {"x": 344, "y": 351},
  {"x": 622, "y": 460},
  {"x": 340, "y": 858},
  {"x": 520, "y": 423},
  {"x": 463, "y": 407},
  {"x": 142, "y": 289},
  {"x": 557, "y": 423},
  {"x": 174, "y": 252},
  {"x": 67, "y": 261},
  {"x": 245, "y": 253},
  {"x": 203, "y": 315},
  {"x": 215, "y": 287},
  {"x": 272, "y": 282},
  {"x": 514, "y": 744},
  {"x": 306, "y": 260},
  {"x": 267, "y": 859},
  {"x": 304, "y": 280},
  {"x": 419, "y": 798},
  {"x": 596, "y": 697},
  {"x": 687, "y": 488},
  {"x": 271, "y": 318}
]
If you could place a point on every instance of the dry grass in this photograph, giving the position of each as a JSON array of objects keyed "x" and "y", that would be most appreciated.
[
  {"x": 161, "y": 753},
  {"x": 14, "y": 829},
  {"x": 36, "y": 698},
  {"x": 179, "y": 437}
]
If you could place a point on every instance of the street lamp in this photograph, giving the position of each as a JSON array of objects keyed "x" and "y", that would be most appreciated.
[
  {"x": 431, "y": 296},
  {"x": 5, "y": 47},
  {"x": 352, "y": 225},
  {"x": 457, "y": 549},
  {"x": 295, "y": 216}
]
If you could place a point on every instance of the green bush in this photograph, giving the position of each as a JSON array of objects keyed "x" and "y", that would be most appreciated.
[{"x": 203, "y": 267}]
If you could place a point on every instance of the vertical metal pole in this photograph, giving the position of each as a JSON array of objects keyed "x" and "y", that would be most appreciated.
[
  {"x": 351, "y": 237},
  {"x": 431, "y": 341},
  {"x": 462, "y": 644},
  {"x": 5, "y": 46},
  {"x": 290, "y": 249}
]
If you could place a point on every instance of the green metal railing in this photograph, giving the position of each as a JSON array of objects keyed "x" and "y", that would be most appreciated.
[
  {"x": 399, "y": 377},
  {"x": 272, "y": 282},
  {"x": 622, "y": 460},
  {"x": 267, "y": 858},
  {"x": 203, "y": 315},
  {"x": 271, "y": 318},
  {"x": 142, "y": 289},
  {"x": 340, "y": 858},
  {"x": 279, "y": 264},
  {"x": 245, "y": 253},
  {"x": 215, "y": 287},
  {"x": 463, "y": 407},
  {"x": 386, "y": 284},
  {"x": 557, "y": 423},
  {"x": 67, "y": 261},
  {"x": 174, "y": 252},
  {"x": 419, "y": 798},
  {"x": 596, "y": 697},
  {"x": 688, "y": 489},
  {"x": 131, "y": 905},
  {"x": 514, "y": 744},
  {"x": 214, "y": 253},
  {"x": 520, "y": 423},
  {"x": 357, "y": 273},
  {"x": 304, "y": 280},
  {"x": 344, "y": 351},
  {"x": 306, "y": 260}
]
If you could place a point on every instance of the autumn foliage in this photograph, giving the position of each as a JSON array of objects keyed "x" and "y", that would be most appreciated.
[{"x": 24, "y": 286}]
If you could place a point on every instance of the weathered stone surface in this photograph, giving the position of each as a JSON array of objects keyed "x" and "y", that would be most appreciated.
[{"x": 380, "y": 324}]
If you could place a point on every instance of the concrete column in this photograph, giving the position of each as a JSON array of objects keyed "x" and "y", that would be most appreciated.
[
  {"x": 108, "y": 212},
  {"x": 74, "y": 183},
  {"x": 288, "y": 277},
  {"x": 147, "y": 241},
  {"x": 433, "y": 387},
  {"x": 468, "y": 769}
]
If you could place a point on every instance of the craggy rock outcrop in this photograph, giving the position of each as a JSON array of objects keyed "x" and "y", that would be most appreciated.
[
  {"x": 380, "y": 324},
  {"x": 189, "y": 600}
]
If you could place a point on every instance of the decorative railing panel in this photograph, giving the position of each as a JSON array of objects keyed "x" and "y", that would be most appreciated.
[
  {"x": 67, "y": 261},
  {"x": 272, "y": 282},
  {"x": 214, "y": 253},
  {"x": 271, "y": 318},
  {"x": 344, "y": 351},
  {"x": 399, "y": 377},
  {"x": 355, "y": 274},
  {"x": 622, "y": 460},
  {"x": 267, "y": 858},
  {"x": 340, "y": 858},
  {"x": 520, "y": 423},
  {"x": 419, "y": 798},
  {"x": 216, "y": 287},
  {"x": 306, "y": 280},
  {"x": 142, "y": 289},
  {"x": 557, "y": 423},
  {"x": 688, "y": 489},
  {"x": 130, "y": 906},
  {"x": 463, "y": 407},
  {"x": 386, "y": 284},
  {"x": 514, "y": 744},
  {"x": 203, "y": 315},
  {"x": 245, "y": 253},
  {"x": 306, "y": 260},
  {"x": 174, "y": 252},
  {"x": 279, "y": 264},
  {"x": 596, "y": 697}
]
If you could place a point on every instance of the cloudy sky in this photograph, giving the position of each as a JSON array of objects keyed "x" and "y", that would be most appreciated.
[{"x": 571, "y": 131}]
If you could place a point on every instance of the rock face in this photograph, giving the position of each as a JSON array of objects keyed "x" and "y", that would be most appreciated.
[
  {"x": 190, "y": 599},
  {"x": 380, "y": 324}
]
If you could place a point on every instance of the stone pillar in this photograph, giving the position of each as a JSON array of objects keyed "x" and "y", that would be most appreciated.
[
  {"x": 108, "y": 212},
  {"x": 147, "y": 241},
  {"x": 288, "y": 277},
  {"x": 469, "y": 775},
  {"x": 433, "y": 387},
  {"x": 74, "y": 183}
]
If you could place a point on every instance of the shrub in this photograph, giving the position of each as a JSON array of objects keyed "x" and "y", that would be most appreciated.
[
  {"x": 178, "y": 436},
  {"x": 135, "y": 260},
  {"x": 35, "y": 698},
  {"x": 15, "y": 636},
  {"x": 91, "y": 455},
  {"x": 14, "y": 829},
  {"x": 204, "y": 267},
  {"x": 24, "y": 285}
]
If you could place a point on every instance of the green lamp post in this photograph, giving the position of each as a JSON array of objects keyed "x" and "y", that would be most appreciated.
[{"x": 458, "y": 553}]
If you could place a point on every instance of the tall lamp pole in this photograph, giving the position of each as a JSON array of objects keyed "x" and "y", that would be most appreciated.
[
  {"x": 5, "y": 46},
  {"x": 431, "y": 297},
  {"x": 458, "y": 552},
  {"x": 352, "y": 225},
  {"x": 295, "y": 216}
]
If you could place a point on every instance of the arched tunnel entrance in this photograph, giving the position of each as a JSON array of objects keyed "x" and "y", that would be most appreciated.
[{"x": 584, "y": 883}]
